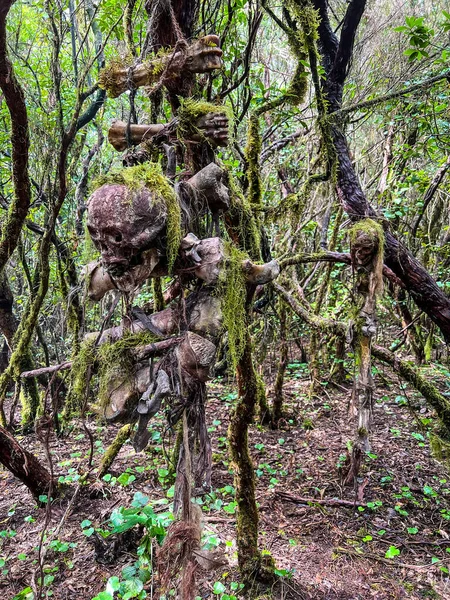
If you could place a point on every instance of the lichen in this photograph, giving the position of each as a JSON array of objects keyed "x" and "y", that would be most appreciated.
[
  {"x": 232, "y": 291},
  {"x": 252, "y": 153},
  {"x": 150, "y": 175}
]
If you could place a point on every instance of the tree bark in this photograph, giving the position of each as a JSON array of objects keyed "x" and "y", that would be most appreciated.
[
  {"x": 20, "y": 143},
  {"x": 24, "y": 465},
  {"x": 336, "y": 57}
]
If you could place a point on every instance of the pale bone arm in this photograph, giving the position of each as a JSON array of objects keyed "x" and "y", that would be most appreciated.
[
  {"x": 203, "y": 56},
  {"x": 212, "y": 127}
]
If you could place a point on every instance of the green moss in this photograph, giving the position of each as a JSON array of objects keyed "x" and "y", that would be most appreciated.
[
  {"x": 375, "y": 232},
  {"x": 232, "y": 291},
  {"x": 242, "y": 225},
  {"x": 116, "y": 362},
  {"x": 82, "y": 360},
  {"x": 150, "y": 175},
  {"x": 440, "y": 449},
  {"x": 158, "y": 296},
  {"x": 252, "y": 153},
  {"x": 113, "y": 450},
  {"x": 108, "y": 76},
  {"x": 111, "y": 77}
]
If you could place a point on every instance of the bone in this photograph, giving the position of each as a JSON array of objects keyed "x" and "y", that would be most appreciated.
[
  {"x": 203, "y": 56},
  {"x": 120, "y": 135},
  {"x": 208, "y": 184},
  {"x": 260, "y": 274}
]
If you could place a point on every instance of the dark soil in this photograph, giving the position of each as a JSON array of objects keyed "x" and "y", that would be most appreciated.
[{"x": 401, "y": 502}]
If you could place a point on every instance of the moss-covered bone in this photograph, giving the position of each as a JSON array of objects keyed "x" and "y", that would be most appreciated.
[{"x": 203, "y": 56}]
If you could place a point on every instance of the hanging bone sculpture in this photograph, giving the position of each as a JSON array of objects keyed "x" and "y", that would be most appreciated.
[
  {"x": 129, "y": 224},
  {"x": 211, "y": 127}
]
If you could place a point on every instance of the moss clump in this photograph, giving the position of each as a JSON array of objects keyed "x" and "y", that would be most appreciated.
[
  {"x": 374, "y": 233},
  {"x": 190, "y": 111},
  {"x": 110, "y": 76},
  {"x": 232, "y": 291},
  {"x": 242, "y": 225},
  {"x": 82, "y": 360},
  {"x": 252, "y": 153},
  {"x": 116, "y": 362},
  {"x": 150, "y": 175}
]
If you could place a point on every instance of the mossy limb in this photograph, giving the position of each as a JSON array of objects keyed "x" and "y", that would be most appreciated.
[
  {"x": 232, "y": 291},
  {"x": 113, "y": 450}
]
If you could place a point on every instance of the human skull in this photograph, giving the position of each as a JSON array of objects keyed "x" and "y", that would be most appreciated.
[{"x": 123, "y": 223}]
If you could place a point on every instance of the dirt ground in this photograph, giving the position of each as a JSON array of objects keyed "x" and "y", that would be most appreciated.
[{"x": 390, "y": 540}]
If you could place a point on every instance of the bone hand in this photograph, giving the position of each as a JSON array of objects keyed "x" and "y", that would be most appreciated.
[
  {"x": 203, "y": 56},
  {"x": 213, "y": 127},
  {"x": 260, "y": 274}
]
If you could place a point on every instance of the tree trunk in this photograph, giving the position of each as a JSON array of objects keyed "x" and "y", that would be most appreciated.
[
  {"x": 24, "y": 465},
  {"x": 336, "y": 58}
]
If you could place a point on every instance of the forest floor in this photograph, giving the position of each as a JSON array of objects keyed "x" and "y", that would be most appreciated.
[{"x": 391, "y": 540}]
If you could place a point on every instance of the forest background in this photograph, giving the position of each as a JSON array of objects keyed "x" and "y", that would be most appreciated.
[{"x": 338, "y": 155}]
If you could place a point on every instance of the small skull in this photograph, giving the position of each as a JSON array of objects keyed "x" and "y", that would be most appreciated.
[{"x": 123, "y": 223}]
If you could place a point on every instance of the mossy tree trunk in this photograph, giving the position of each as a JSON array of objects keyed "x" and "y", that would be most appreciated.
[
  {"x": 244, "y": 476},
  {"x": 366, "y": 240},
  {"x": 282, "y": 365}
]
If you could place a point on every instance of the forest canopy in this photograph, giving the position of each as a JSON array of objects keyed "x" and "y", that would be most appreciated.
[{"x": 224, "y": 298}]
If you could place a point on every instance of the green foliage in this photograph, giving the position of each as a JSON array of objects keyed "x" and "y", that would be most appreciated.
[
  {"x": 419, "y": 37},
  {"x": 134, "y": 576}
]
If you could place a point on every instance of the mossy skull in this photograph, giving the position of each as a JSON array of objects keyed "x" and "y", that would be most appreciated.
[{"x": 134, "y": 210}]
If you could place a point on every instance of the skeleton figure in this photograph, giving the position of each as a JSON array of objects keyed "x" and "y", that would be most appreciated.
[
  {"x": 129, "y": 228},
  {"x": 143, "y": 229}
]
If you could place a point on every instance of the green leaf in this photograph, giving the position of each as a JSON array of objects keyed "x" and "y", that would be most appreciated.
[
  {"x": 112, "y": 585},
  {"x": 218, "y": 588},
  {"x": 85, "y": 523},
  {"x": 391, "y": 552}
]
